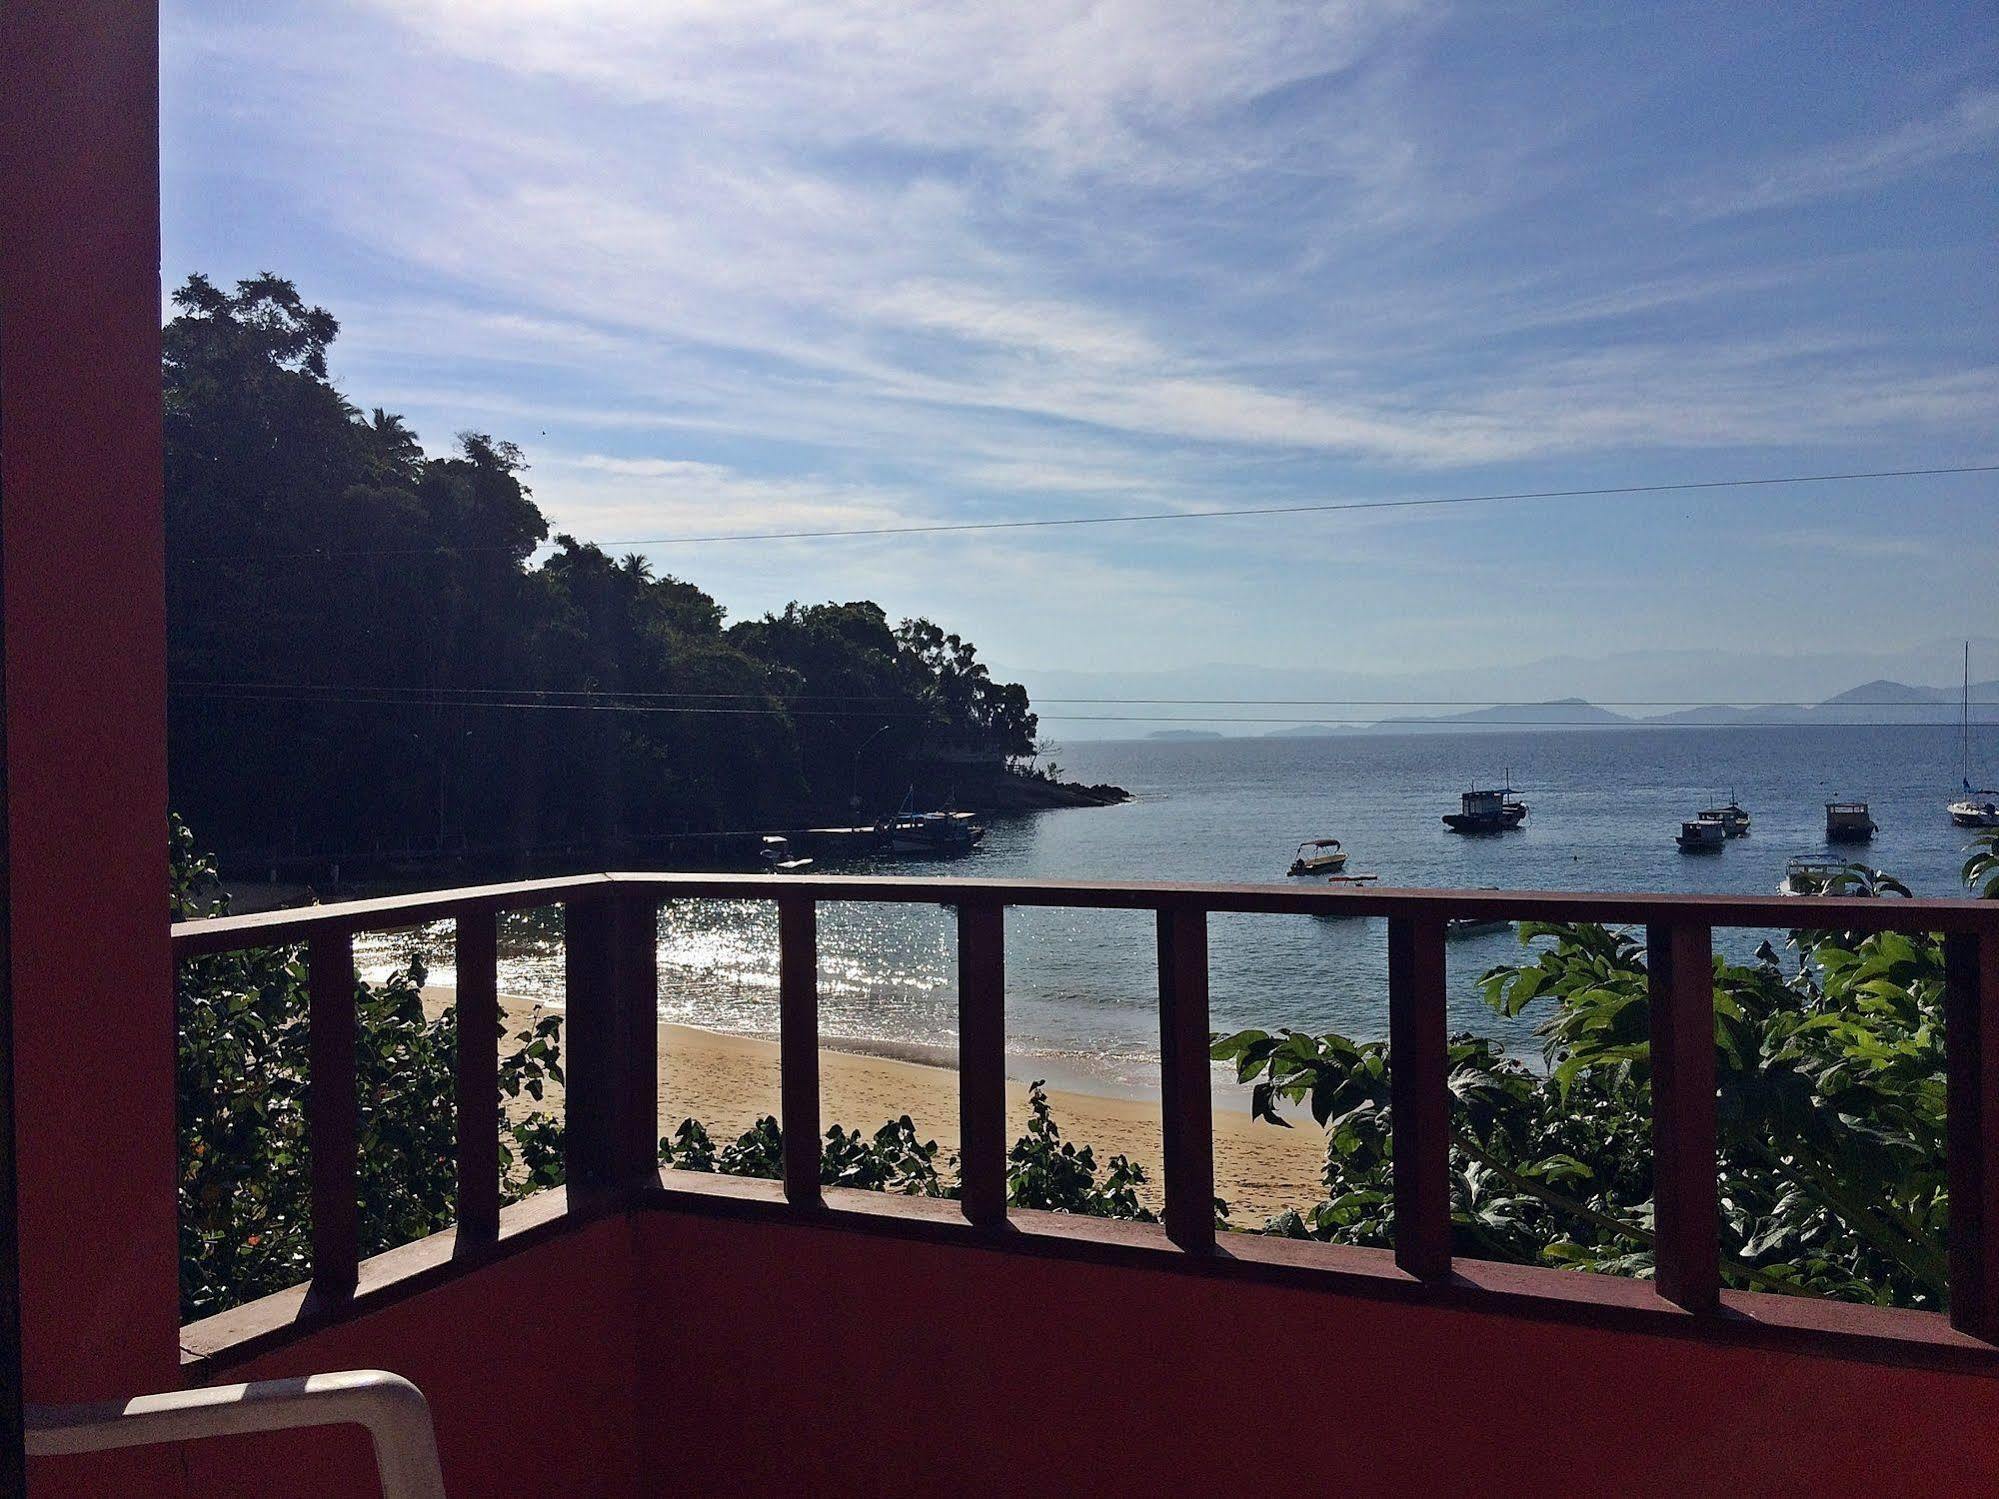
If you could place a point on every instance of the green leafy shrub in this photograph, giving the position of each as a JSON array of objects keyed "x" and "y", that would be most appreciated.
[
  {"x": 1045, "y": 1171},
  {"x": 242, "y": 1063},
  {"x": 1830, "y": 1066}
]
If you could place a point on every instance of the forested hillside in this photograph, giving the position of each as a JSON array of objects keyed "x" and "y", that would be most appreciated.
[{"x": 371, "y": 646}]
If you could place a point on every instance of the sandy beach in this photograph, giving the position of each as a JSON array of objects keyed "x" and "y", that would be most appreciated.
[{"x": 728, "y": 1081}]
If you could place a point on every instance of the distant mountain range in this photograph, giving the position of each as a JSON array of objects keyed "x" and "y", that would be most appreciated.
[{"x": 1877, "y": 702}]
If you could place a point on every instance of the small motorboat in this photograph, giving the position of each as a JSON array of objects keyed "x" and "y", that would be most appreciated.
[
  {"x": 1472, "y": 926},
  {"x": 1319, "y": 856},
  {"x": 1490, "y": 811},
  {"x": 1848, "y": 822},
  {"x": 1810, "y": 874},
  {"x": 1346, "y": 882},
  {"x": 1704, "y": 835},
  {"x": 777, "y": 856},
  {"x": 1975, "y": 809},
  {"x": 1733, "y": 818}
]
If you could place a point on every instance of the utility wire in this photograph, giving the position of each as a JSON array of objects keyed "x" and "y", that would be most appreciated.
[
  {"x": 939, "y": 527},
  {"x": 364, "y": 699},
  {"x": 619, "y": 694}
]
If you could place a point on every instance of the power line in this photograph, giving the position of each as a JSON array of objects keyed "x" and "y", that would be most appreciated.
[
  {"x": 645, "y": 695},
  {"x": 1138, "y": 517},
  {"x": 362, "y": 698}
]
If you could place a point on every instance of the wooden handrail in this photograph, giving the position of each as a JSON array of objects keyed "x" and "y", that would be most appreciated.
[
  {"x": 612, "y": 977},
  {"x": 1855, "y": 913}
]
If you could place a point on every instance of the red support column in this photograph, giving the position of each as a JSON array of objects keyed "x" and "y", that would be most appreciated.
[
  {"x": 478, "y": 1079},
  {"x": 85, "y": 643},
  {"x": 1419, "y": 1095},
  {"x": 798, "y": 1045},
  {"x": 982, "y": 1060},
  {"x": 1186, "y": 1100},
  {"x": 333, "y": 1121},
  {"x": 1686, "y": 1215},
  {"x": 1971, "y": 1052},
  {"x": 612, "y": 991}
]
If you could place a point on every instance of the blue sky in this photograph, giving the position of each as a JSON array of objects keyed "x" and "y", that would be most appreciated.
[{"x": 740, "y": 265}]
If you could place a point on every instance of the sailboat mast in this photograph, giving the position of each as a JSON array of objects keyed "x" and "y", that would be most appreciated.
[{"x": 1966, "y": 721}]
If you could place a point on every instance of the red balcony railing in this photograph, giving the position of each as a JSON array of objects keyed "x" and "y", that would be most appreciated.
[{"x": 611, "y": 970}]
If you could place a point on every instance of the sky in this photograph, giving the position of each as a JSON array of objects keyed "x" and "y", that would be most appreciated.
[{"x": 727, "y": 266}]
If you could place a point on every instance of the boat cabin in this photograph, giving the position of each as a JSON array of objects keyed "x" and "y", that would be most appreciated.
[
  {"x": 1848, "y": 822},
  {"x": 1702, "y": 835}
]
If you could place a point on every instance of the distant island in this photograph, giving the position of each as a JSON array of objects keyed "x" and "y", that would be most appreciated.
[
  {"x": 1185, "y": 734},
  {"x": 1876, "y": 702}
]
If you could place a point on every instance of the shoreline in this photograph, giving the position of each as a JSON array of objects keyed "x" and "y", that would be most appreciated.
[{"x": 728, "y": 1081}]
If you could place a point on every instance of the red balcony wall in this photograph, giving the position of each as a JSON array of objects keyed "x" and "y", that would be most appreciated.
[{"x": 840, "y": 1363}]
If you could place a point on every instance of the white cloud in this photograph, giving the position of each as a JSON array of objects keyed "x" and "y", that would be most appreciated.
[
  {"x": 1082, "y": 85},
  {"x": 1969, "y": 125}
]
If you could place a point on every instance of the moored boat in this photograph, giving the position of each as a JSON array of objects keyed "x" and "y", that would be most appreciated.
[
  {"x": 1346, "y": 882},
  {"x": 1703, "y": 835},
  {"x": 932, "y": 833},
  {"x": 1734, "y": 819},
  {"x": 1491, "y": 811},
  {"x": 1848, "y": 822},
  {"x": 1319, "y": 856},
  {"x": 1809, "y": 874},
  {"x": 1975, "y": 809},
  {"x": 1472, "y": 926},
  {"x": 777, "y": 856}
]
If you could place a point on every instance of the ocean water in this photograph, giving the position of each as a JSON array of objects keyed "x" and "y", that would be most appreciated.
[{"x": 1080, "y": 1001}]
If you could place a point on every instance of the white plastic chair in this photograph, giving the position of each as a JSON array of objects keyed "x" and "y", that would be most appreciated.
[{"x": 392, "y": 1409}]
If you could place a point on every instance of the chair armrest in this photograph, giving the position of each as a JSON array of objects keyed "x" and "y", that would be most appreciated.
[{"x": 392, "y": 1409}]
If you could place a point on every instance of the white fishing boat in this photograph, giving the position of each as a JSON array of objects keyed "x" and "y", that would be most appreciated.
[
  {"x": 932, "y": 833},
  {"x": 1704, "y": 835},
  {"x": 1319, "y": 856},
  {"x": 777, "y": 856},
  {"x": 1809, "y": 874},
  {"x": 1975, "y": 809}
]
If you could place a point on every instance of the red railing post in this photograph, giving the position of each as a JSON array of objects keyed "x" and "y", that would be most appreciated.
[
  {"x": 1686, "y": 1218},
  {"x": 635, "y": 979},
  {"x": 1185, "y": 1095},
  {"x": 1419, "y": 1095},
  {"x": 332, "y": 1118},
  {"x": 982, "y": 1061},
  {"x": 1971, "y": 1047},
  {"x": 611, "y": 995},
  {"x": 478, "y": 1078},
  {"x": 798, "y": 1045}
]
